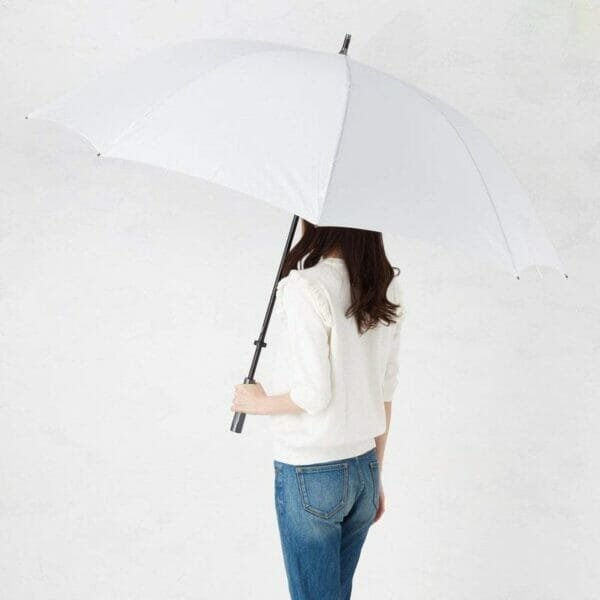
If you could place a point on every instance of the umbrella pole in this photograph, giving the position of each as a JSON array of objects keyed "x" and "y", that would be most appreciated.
[{"x": 237, "y": 423}]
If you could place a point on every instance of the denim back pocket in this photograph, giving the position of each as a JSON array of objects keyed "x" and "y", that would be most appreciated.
[
  {"x": 374, "y": 467},
  {"x": 323, "y": 488}
]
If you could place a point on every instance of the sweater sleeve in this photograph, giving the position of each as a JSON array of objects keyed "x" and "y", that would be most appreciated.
[
  {"x": 392, "y": 370},
  {"x": 308, "y": 326}
]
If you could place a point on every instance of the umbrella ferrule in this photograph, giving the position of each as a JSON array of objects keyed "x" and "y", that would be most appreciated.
[{"x": 345, "y": 44}]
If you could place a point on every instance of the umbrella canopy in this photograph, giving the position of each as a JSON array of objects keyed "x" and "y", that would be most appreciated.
[{"x": 317, "y": 134}]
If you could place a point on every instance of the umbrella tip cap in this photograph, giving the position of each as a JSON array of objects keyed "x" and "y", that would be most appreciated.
[{"x": 345, "y": 44}]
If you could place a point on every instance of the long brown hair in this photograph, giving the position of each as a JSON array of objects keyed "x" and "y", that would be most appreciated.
[{"x": 369, "y": 270}]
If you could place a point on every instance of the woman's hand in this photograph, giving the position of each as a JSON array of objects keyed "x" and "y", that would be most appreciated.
[
  {"x": 250, "y": 398},
  {"x": 381, "y": 508}
]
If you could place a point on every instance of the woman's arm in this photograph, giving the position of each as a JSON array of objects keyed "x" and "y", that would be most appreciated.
[
  {"x": 282, "y": 404},
  {"x": 392, "y": 372},
  {"x": 307, "y": 320},
  {"x": 250, "y": 398},
  {"x": 381, "y": 440}
]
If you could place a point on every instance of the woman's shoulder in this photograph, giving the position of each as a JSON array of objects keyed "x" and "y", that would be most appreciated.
[
  {"x": 395, "y": 286},
  {"x": 306, "y": 283},
  {"x": 311, "y": 279},
  {"x": 395, "y": 291}
]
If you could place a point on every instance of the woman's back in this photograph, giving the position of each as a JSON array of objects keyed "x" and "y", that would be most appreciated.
[{"x": 340, "y": 378}]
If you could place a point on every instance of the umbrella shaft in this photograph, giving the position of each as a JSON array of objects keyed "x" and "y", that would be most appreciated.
[{"x": 237, "y": 423}]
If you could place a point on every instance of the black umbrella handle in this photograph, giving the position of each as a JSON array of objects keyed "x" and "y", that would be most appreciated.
[{"x": 237, "y": 423}]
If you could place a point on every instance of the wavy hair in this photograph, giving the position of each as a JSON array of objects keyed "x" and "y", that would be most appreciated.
[{"x": 369, "y": 270}]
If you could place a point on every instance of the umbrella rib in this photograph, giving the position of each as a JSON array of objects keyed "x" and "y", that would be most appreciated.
[
  {"x": 489, "y": 195},
  {"x": 339, "y": 140},
  {"x": 483, "y": 181}
]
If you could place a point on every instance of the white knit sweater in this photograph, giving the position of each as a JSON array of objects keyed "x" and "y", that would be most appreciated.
[{"x": 340, "y": 378}]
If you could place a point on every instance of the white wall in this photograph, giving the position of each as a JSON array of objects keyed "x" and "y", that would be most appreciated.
[{"x": 129, "y": 299}]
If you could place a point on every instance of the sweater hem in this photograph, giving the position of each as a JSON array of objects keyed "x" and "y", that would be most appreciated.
[{"x": 305, "y": 455}]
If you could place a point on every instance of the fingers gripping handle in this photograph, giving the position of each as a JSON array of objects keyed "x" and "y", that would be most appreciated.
[{"x": 237, "y": 423}]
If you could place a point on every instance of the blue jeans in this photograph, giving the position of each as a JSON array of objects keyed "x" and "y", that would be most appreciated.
[{"x": 324, "y": 511}]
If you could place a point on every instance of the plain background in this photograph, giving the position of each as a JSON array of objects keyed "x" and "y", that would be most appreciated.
[{"x": 129, "y": 299}]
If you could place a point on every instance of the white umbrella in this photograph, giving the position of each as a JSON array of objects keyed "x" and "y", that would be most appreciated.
[{"x": 317, "y": 134}]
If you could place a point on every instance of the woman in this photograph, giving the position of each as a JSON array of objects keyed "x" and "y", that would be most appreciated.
[{"x": 341, "y": 317}]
